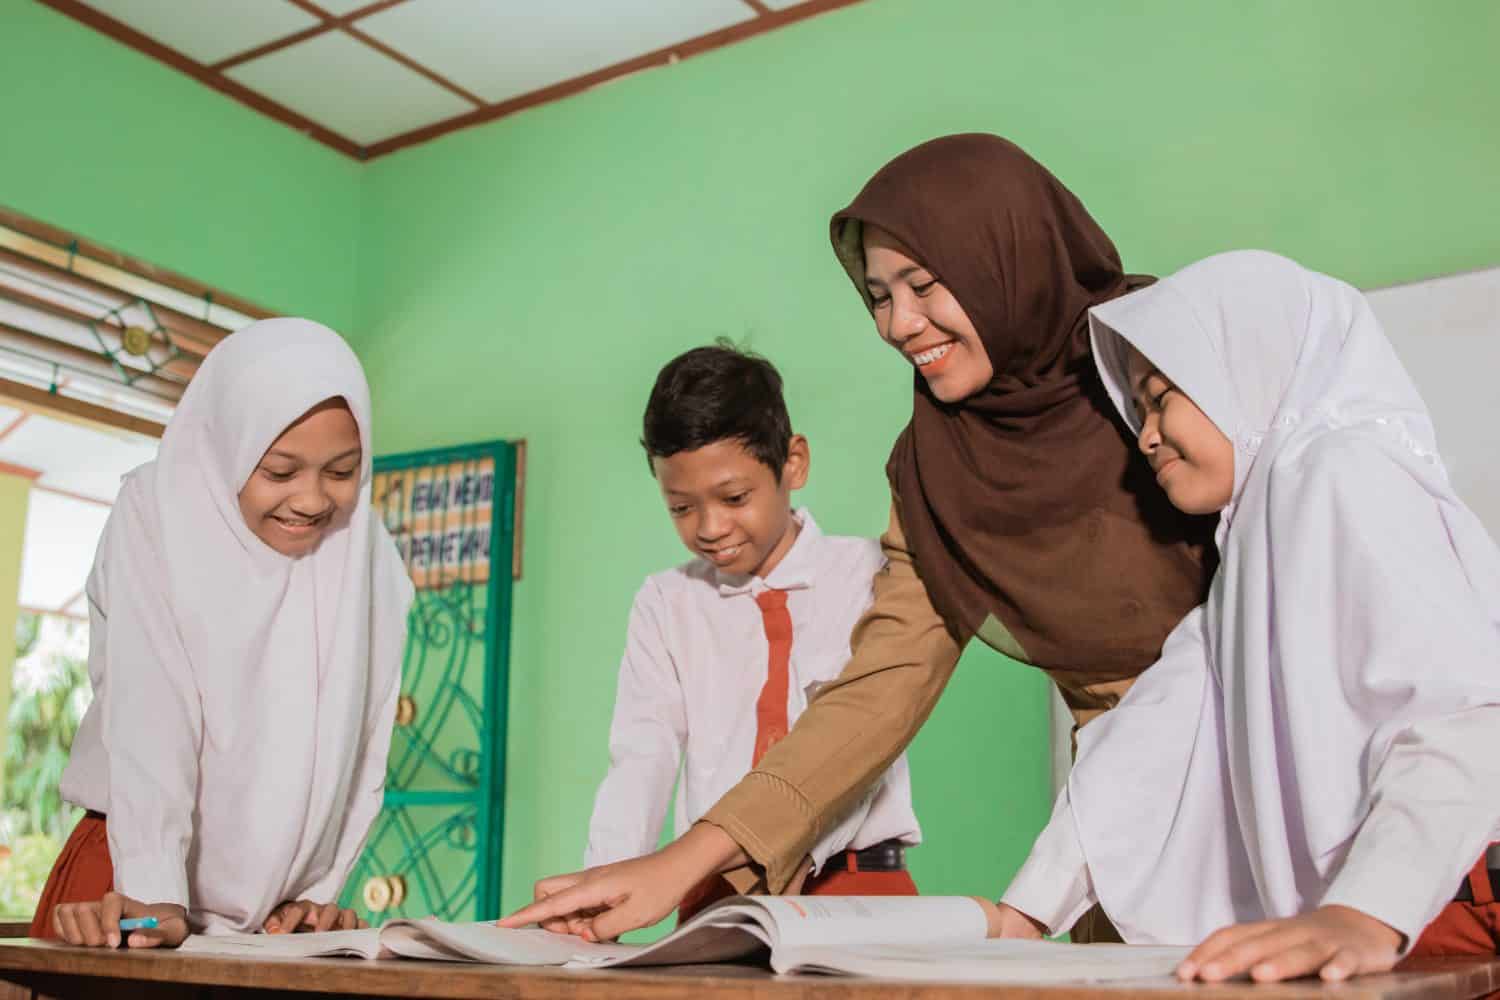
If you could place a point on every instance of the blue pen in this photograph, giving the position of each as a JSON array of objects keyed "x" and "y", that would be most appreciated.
[{"x": 135, "y": 924}]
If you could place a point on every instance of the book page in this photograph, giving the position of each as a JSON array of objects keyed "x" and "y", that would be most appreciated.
[
  {"x": 355, "y": 944},
  {"x": 733, "y": 929},
  {"x": 693, "y": 944},
  {"x": 811, "y": 921},
  {"x": 989, "y": 961},
  {"x": 485, "y": 942}
]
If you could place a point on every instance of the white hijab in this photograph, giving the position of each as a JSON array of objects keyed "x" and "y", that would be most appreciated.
[
  {"x": 240, "y": 693},
  {"x": 1356, "y": 596}
]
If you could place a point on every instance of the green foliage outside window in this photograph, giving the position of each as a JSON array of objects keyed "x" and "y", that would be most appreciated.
[{"x": 50, "y": 694}]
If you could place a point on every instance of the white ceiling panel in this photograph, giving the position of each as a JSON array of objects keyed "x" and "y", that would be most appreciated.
[
  {"x": 208, "y": 30},
  {"x": 494, "y": 51},
  {"x": 76, "y": 458},
  {"x": 61, "y": 537},
  {"x": 350, "y": 88},
  {"x": 501, "y": 50}
]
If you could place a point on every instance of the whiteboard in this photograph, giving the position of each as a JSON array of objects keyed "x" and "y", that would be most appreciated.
[{"x": 1447, "y": 332}]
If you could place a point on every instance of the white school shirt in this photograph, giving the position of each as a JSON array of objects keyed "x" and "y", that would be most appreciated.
[
  {"x": 695, "y": 661},
  {"x": 243, "y": 700},
  {"x": 1432, "y": 766},
  {"x": 1321, "y": 730}
]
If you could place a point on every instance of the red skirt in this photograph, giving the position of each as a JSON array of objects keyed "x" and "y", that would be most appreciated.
[
  {"x": 829, "y": 883},
  {"x": 1468, "y": 928},
  {"x": 82, "y": 874}
]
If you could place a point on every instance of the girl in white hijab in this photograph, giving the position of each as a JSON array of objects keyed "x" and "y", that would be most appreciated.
[
  {"x": 247, "y": 618},
  {"x": 1310, "y": 768}
]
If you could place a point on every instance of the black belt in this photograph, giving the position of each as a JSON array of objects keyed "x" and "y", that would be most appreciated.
[
  {"x": 886, "y": 856},
  {"x": 1465, "y": 893}
]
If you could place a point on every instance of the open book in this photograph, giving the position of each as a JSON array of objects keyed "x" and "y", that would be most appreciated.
[{"x": 902, "y": 937}]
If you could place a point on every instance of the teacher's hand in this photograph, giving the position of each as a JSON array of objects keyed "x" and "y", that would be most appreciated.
[{"x": 602, "y": 903}]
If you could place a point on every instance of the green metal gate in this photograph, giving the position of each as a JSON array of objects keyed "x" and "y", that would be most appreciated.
[{"x": 435, "y": 847}]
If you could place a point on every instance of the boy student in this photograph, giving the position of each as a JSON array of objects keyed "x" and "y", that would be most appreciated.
[{"x": 723, "y": 652}]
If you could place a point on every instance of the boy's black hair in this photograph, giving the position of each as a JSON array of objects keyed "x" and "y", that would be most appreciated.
[{"x": 718, "y": 393}]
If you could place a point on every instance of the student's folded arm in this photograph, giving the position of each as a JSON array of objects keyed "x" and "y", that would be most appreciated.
[
  {"x": 1423, "y": 825},
  {"x": 151, "y": 719},
  {"x": 1426, "y": 639},
  {"x": 903, "y": 655},
  {"x": 646, "y": 739}
]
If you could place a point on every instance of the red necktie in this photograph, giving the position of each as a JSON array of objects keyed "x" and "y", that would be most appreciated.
[
  {"x": 770, "y": 726},
  {"x": 770, "y": 707}
]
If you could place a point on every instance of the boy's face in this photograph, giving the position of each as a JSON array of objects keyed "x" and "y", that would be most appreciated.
[{"x": 729, "y": 507}]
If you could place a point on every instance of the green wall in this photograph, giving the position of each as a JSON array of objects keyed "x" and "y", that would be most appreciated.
[
  {"x": 526, "y": 279},
  {"x": 123, "y": 150}
]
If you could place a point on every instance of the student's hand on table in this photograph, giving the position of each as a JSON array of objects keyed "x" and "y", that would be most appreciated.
[
  {"x": 1332, "y": 942},
  {"x": 303, "y": 915},
  {"x": 1006, "y": 921},
  {"x": 97, "y": 924},
  {"x": 602, "y": 903}
]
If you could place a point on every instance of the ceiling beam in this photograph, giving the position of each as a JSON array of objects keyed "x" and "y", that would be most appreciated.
[
  {"x": 413, "y": 65},
  {"x": 326, "y": 23},
  {"x": 79, "y": 411},
  {"x": 28, "y": 609},
  {"x": 70, "y": 495},
  {"x": 274, "y": 45},
  {"x": 15, "y": 424}
]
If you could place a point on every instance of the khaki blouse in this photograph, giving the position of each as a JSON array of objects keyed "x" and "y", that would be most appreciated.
[{"x": 903, "y": 655}]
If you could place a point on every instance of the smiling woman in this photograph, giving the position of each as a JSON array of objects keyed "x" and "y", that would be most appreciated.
[
  {"x": 918, "y": 316},
  {"x": 1020, "y": 516}
]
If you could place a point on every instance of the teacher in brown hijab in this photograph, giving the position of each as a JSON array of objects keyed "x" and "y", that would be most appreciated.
[{"x": 1018, "y": 518}]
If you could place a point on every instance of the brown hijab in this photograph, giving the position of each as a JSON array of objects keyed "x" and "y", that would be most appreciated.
[{"x": 1032, "y": 524}]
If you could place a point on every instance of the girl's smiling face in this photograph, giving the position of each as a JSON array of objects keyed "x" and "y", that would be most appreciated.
[
  {"x": 307, "y": 481},
  {"x": 917, "y": 315},
  {"x": 1192, "y": 459}
]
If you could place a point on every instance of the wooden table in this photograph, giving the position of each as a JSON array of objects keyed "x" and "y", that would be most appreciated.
[{"x": 32, "y": 969}]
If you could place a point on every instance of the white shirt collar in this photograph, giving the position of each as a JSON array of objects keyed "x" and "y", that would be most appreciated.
[{"x": 796, "y": 570}]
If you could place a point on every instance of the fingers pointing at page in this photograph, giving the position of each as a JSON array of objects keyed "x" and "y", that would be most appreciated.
[{"x": 602, "y": 903}]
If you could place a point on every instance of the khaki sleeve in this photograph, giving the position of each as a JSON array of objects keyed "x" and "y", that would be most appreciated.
[{"x": 903, "y": 655}]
